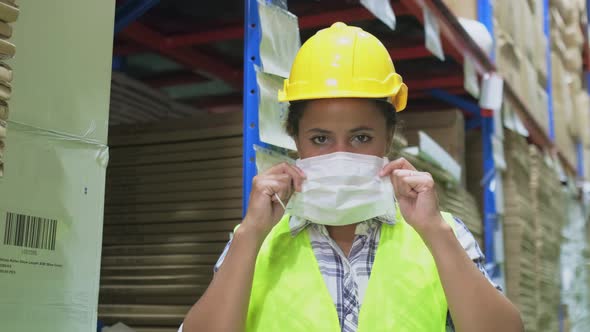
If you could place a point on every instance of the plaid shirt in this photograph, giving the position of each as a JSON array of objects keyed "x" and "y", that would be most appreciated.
[{"x": 347, "y": 277}]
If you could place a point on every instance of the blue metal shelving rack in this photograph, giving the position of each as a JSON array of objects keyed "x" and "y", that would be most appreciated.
[
  {"x": 480, "y": 117},
  {"x": 490, "y": 214},
  {"x": 252, "y": 36}
]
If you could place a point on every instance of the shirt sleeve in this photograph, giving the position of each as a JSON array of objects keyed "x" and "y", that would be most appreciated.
[
  {"x": 474, "y": 252},
  {"x": 472, "y": 249}
]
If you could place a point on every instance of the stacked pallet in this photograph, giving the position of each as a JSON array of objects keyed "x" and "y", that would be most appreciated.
[
  {"x": 453, "y": 197},
  {"x": 549, "y": 216},
  {"x": 519, "y": 231},
  {"x": 458, "y": 201},
  {"x": 9, "y": 12},
  {"x": 173, "y": 194},
  {"x": 134, "y": 102},
  {"x": 570, "y": 98},
  {"x": 521, "y": 48}
]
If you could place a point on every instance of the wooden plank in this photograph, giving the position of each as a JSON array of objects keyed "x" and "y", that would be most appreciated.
[
  {"x": 155, "y": 270},
  {"x": 143, "y": 314},
  {"x": 174, "y": 197},
  {"x": 198, "y": 121},
  {"x": 151, "y": 290},
  {"x": 184, "y": 227},
  {"x": 195, "y": 279},
  {"x": 159, "y": 260},
  {"x": 137, "y": 105},
  {"x": 107, "y": 309},
  {"x": 156, "y": 329},
  {"x": 175, "y": 167},
  {"x": 207, "y": 184},
  {"x": 150, "y": 138},
  {"x": 165, "y": 207},
  {"x": 173, "y": 216},
  {"x": 186, "y": 156},
  {"x": 109, "y": 239},
  {"x": 187, "y": 299},
  {"x": 164, "y": 249},
  {"x": 126, "y": 152},
  {"x": 114, "y": 181}
]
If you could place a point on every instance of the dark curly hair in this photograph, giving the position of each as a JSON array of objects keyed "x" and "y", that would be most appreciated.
[{"x": 297, "y": 108}]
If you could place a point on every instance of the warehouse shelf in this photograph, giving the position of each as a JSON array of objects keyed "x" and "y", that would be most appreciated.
[
  {"x": 432, "y": 82},
  {"x": 148, "y": 34},
  {"x": 225, "y": 51}
]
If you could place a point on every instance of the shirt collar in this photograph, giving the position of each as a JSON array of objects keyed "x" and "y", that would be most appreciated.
[{"x": 297, "y": 224}]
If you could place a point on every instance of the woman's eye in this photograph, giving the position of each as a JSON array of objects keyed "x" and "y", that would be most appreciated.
[
  {"x": 362, "y": 138},
  {"x": 319, "y": 139}
]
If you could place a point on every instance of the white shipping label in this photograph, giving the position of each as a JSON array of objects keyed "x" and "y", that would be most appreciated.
[
  {"x": 272, "y": 114},
  {"x": 30, "y": 245},
  {"x": 280, "y": 39},
  {"x": 520, "y": 128},
  {"x": 382, "y": 10},
  {"x": 470, "y": 81},
  {"x": 267, "y": 158},
  {"x": 432, "y": 34},
  {"x": 492, "y": 92},
  {"x": 498, "y": 124},
  {"x": 498, "y": 152},
  {"x": 508, "y": 117}
]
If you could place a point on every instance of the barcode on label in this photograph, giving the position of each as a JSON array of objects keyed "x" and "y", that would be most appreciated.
[{"x": 29, "y": 231}]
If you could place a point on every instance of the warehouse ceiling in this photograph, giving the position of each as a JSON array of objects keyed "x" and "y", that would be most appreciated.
[{"x": 193, "y": 50}]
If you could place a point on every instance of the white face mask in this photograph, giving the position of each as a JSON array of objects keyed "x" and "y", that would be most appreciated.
[{"x": 343, "y": 188}]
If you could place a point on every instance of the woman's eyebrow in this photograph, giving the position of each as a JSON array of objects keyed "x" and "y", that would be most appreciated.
[
  {"x": 319, "y": 131},
  {"x": 361, "y": 128}
]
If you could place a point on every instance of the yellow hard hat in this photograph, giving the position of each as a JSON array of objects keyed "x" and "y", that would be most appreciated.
[{"x": 344, "y": 62}]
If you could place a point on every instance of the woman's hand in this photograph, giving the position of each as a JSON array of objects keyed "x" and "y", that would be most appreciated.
[
  {"x": 264, "y": 209},
  {"x": 415, "y": 195}
]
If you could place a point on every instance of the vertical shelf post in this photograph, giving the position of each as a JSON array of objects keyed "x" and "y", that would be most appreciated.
[
  {"x": 549, "y": 87},
  {"x": 252, "y": 36},
  {"x": 492, "y": 228}
]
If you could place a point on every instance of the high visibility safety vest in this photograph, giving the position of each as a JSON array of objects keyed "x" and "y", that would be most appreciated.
[{"x": 404, "y": 293}]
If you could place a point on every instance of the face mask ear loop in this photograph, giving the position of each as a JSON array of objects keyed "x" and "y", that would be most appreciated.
[{"x": 280, "y": 202}]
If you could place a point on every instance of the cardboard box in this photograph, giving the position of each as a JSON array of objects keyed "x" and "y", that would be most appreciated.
[
  {"x": 527, "y": 29},
  {"x": 54, "y": 178},
  {"x": 463, "y": 8},
  {"x": 528, "y": 86},
  {"x": 538, "y": 56},
  {"x": 446, "y": 127},
  {"x": 540, "y": 109},
  {"x": 504, "y": 13},
  {"x": 519, "y": 236},
  {"x": 194, "y": 203},
  {"x": 508, "y": 61}
]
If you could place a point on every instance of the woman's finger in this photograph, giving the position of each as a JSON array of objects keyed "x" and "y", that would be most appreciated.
[
  {"x": 406, "y": 172},
  {"x": 418, "y": 183},
  {"x": 295, "y": 172},
  {"x": 400, "y": 163}
]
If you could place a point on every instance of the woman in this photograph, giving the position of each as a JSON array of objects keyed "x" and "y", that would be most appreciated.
[{"x": 410, "y": 272}]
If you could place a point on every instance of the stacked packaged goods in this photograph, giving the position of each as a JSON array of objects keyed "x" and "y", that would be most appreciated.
[
  {"x": 549, "y": 216},
  {"x": 9, "y": 12},
  {"x": 570, "y": 100},
  {"x": 173, "y": 195},
  {"x": 521, "y": 47},
  {"x": 519, "y": 231}
]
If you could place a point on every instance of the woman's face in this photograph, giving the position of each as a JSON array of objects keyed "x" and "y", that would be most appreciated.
[{"x": 342, "y": 125}]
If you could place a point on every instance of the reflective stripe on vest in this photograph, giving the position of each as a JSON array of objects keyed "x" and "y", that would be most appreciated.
[{"x": 404, "y": 291}]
